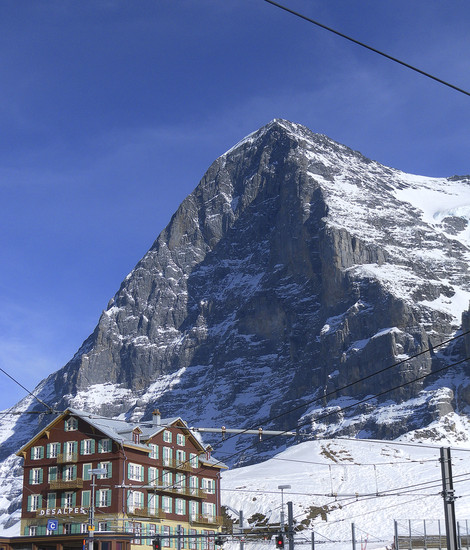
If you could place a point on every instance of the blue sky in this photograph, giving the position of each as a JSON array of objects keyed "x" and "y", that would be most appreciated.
[{"x": 111, "y": 111}]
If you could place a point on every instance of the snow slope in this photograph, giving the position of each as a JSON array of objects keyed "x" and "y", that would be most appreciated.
[{"x": 337, "y": 482}]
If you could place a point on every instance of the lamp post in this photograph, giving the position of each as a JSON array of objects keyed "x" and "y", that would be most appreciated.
[
  {"x": 91, "y": 516},
  {"x": 282, "y": 487}
]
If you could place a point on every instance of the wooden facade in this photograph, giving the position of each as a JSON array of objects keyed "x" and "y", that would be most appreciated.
[{"x": 159, "y": 479}]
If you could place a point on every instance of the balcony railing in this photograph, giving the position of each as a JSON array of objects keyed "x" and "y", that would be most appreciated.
[
  {"x": 205, "y": 520},
  {"x": 63, "y": 458},
  {"x": 184, "y": 465},
  {"x": 146, "y": 512},
  {"x": 66, "y": 484},
  {"x": 184, "y": 491}
]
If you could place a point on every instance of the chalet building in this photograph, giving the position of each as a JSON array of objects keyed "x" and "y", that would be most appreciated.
[{"x": 154, "y": 478}]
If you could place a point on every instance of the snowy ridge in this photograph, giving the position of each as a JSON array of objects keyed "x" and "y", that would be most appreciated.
[{"x": 337, "y": 482}]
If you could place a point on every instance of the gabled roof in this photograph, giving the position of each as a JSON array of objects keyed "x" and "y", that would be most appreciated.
[{"x": 121, "y": 431}]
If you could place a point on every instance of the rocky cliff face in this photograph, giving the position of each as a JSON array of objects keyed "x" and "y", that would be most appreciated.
[{"x": 295, "y": 269}]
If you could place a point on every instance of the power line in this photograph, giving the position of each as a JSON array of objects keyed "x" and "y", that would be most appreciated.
[
  {"x": 375, "y": 50},
  {"x": 51, "y": 410}
]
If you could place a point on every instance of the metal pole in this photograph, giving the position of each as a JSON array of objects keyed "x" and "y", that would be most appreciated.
[
  {"x": 353, "y": 534},
  {"x": 290, "y": 525},
  {"x": 178, "y": 537},
  {"x": 449, "y": 498},
  {"x": 242, "y": 544},
  {"x": 395, "y": 528},
  {"x": 459, "y": 538},
  {"x": 313, "y": 540},
  {"x": 439, "y": 528},
  {"x": 425, "y": 538},
  {"x": 409, "y": 535},
  {"x": 91, "y": 516}
]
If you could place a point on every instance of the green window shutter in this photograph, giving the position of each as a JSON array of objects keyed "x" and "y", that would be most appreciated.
[
  {"x": 108, "y": 497},
  {"x": 48, "y": 450},
  {"x": 32, "y": 453},
  {"x": 93, "y": 445},
  {"x": 109, "y": 466},
  {"x": 40, "y": 502},
  {"x": 62, "y": 500},
  {"x": 30, "y": 477},
  {"x": 128, "y": 471},
  {"x": 86, "y": 498},
  {"x": 75, "y": 447},
  {"x": 29, "y": 503},
  {"x": 41, "y": 475},
  {"x": 74, "y": 500},
  {"x": 51, "y": 500},
  {"x": 41, "y": 452},
  {"x": 82, "y": 447},
  {"x": 97, "y": 498},
  {"x": 100, "y": 446},
  {"x": 74, "y": 471},
  {"x": 85, "y": 474},
  {"x": 142, "y": 473}
]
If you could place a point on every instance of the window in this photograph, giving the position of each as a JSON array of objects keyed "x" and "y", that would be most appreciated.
[
  {"x": 208, "y": 485},
  {"x": 52, "y": 450},
  {"x": 68, "y": 499},
  {"x": 103, "y": 526},
  {"x": 37, "y": 453},
  {"x": 136, "y": 435},
  {"x": 166, "y": 539},
  {"x": 152, "y": 503},
  {"x": 109, "y": 471},
  {"x": 33, "y": 530},
  {"x": 104, "y": 446},
  {"x": 180, "y": 482},
  {"x": 193, "y": 509},
  {"x": 70, "y": 450},
  {"x": 167, "y": 478},
  {"x": 35, "y": 476},
  {"x": 211, "y": 539},
  {"x": 208, "y": 510},
  {"x": 153, "y": 450},
  {"x": 87, "y": 446},
  {"x": 71, "y": 424},
  {"x": 180, "y": 506},
  {"x": 51, "y": 500},
  {"x": 192, "y": 540},
  {"x": 86, "y": 498},
  {"x": 167, "y": 504},
  {"x": 34, "y": 503},
  {"x": 135, "y": 472},
  {"x": 52, "y": 473},
  {"x": 180, "y": 457},
  {"x": 167, "y": 456},
  {"x": 193, "y": 484},
  {"x": 135, "y": 501},
  {"x": 67, "y": 528},
  {"x": 103, "y": 498},
  {"x": 167, "y": 436},
  {"x": 84, "y": 528},
  {"x": 86, "y": 472},
  {"x": 180, "y": 440},
  {"x": 153, "y": 476},
  {"x": 194, "y": 460},
  {"x": 69, "y": 473}
]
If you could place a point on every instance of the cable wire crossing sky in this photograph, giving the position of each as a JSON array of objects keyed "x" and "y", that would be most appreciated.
[{"x": 111, "y": 113}]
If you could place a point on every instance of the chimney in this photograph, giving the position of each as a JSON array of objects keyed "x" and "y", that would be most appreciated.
[{"x": 156, "y": 418}]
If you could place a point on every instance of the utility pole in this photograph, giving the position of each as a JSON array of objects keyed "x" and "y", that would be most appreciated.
[
  {"x": 240, "y": 515},
  {"x": 449, "y": 499},
  {"x": 290, "y": 525}
]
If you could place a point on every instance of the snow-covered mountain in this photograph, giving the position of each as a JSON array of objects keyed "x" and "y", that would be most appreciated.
[
  {"x": 336, "y": 483},
  {"x": 278, "y": 295}
]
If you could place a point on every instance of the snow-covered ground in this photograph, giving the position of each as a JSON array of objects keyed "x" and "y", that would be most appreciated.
[{"x": 340, "y": 482}]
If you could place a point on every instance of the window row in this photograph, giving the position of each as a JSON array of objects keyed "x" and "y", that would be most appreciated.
[
  {"x": 68, "y": 499},
  {"x": 138, "y": 500},
  {"x": 70, "y": 449},
  {"x": 168, "y": 438},
  {"x": 189, "y": 537},
  {"x": 167, "y": 479},
  {"x": 68, "y": 473}
]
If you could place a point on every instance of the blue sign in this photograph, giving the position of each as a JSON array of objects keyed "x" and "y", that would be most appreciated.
[{"x": 52, "y": 525}]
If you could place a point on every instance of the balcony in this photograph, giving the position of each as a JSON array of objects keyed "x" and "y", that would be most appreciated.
[
  {"x": 154, "y": 513},
  {"x": 200, "y": 519},
  {"x": 185, "y": 466},
  {"x": 64, "y": 458},
  {"x": 183, "y": 491},
  {"x": 66, "y": 484}
]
